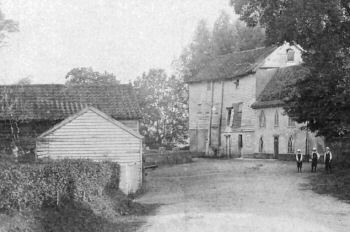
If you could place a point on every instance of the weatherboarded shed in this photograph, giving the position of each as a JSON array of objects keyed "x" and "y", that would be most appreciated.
[{"x": 92, "y": 134}]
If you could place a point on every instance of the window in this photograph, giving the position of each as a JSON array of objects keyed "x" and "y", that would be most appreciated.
[
  {"x": 291, "y": 122},
  {"x": 234, "y": 115},
  {"x": 240, "y": 105},
  {"x": 240, "y": 141},
  {"x": 290, "y": 145},
  {"x": 199, "y": 109},
  {"x": 229, "y": 116},
  {"x": 262, "y": 119},
  {"x": 208, "y": 85},
  {"x": 261, "y": 144},
  {"x": 276, "y": 119},
  {"x": 290, "y": 55}
]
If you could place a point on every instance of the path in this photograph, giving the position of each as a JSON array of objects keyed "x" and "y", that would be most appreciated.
[{"x": 239, "y": 195}]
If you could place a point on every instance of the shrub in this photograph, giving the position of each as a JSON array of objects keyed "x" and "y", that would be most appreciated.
[{"x": 38, "y": 185}]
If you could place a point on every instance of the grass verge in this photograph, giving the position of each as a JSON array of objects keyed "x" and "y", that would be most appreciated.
[
  {"x": 336, "y": 184},
  {"x": 112, "y": 212}
]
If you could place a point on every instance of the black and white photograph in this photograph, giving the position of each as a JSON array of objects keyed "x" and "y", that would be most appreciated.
[{"x": 174, "y": 116}]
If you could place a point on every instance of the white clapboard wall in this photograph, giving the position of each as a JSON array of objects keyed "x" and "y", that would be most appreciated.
[{"x": 91, "y": 134}]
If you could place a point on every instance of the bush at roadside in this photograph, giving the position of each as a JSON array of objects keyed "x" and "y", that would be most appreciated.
[{"x": 38, "y": 185}]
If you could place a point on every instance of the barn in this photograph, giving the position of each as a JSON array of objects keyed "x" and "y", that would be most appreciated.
[
  {"x": 31, "y": 114},
  {"x": 94, "y": 135}
]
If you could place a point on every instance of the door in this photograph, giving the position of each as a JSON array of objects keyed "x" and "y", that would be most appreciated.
[
  {"x": 275, "y": 146},
  {"x": 228, "y": 146},
  {"x": 240, "y": 145}
]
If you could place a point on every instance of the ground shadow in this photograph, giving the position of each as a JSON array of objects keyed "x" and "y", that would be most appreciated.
[
  {"x": 336, "y": 184},
  {"x": 78, "y": 216}
]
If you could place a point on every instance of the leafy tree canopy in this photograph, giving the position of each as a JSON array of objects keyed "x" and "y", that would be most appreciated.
[
  {"x": 322, "y": 28},
  {"x": 6, "y": 26},
  {"x": 24, "y": 81},
  {"x": 88, "y": 76},
  {"x": 163, "y": 101},
  {"x": 226, "y": 37}
]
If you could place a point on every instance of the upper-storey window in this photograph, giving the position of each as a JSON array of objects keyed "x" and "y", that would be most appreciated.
[
  {"x": 199, "y": 108},
  {"x": 234, "y": 115},
  {"x": 291, "y": 122},
  {"x": 291, "y": 145},
  {"x": 290, "y": 55},
  {"x": 208, "y": 85},
  {"x": 262, "y": 119},
  {"x": 229, "y": 119},
  {"x": 276, "y": 119}
]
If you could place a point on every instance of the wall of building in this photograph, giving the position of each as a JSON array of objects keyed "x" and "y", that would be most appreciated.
[
  {"x": 202, "y": 97},
  {"x": 302, "y": 139},
  {"x": 200, "y": 104},
  {"x": 90, "y": 136}
]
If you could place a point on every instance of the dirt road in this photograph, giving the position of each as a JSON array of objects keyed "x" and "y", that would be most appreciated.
[{"x": 240, "y": 195}]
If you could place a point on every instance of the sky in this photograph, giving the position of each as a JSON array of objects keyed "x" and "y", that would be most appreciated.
[{"x": 125, "y": 37}]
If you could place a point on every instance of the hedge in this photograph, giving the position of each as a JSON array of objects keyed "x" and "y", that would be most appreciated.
[{"x": 38, "y": 185}]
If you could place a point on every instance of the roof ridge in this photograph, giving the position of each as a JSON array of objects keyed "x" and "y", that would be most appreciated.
[
  {"x": 56, "y": 84},
  {"x": 243, "y": 51},
  {"x": 32, "y": 85}
]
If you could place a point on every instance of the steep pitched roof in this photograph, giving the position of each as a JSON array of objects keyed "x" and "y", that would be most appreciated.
[
  {"x": 96, "y": 111},
  {"x": 233, "y": 65},
  {"x": 57, "y": 102},
  {"x": 273, "y": 94}
]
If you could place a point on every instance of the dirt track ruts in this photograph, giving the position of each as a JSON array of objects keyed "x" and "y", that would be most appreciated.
[{"x": 240, "y": 195}]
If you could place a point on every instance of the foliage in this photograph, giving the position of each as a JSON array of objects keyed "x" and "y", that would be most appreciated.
[
  {"x": 24, "y": 81},
  {"x": 322, "y": 28},
  {"x": 6, "y": 26},
  {"x": 226, "y": 37},
  {"x": 35, "y": 186},
  {"x": 170, "y": 158},
  {"x": 163, "y": 101},
  {"x": 89, "y": 76}
]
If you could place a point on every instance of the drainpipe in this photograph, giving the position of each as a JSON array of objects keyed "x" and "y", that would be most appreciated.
[
  {"x": 221, "y": 109},
  {"x": 307, "y": 145},
  {"x": 210, "y": 118}
]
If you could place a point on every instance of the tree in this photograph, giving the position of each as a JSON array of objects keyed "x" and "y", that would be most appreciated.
[
  {"x": 88, "y": 76},
  {"x": 248, "y": 37},
  {"x": 227, "y": 37},
  {"x": 322, "y": 28},
  {"x": 6, "y": 26},
  {"x": 163, "y": 100},
  {"x": 223, "y": 36},
  {"x": 198, "y": 54},
  {"x": 24, "y": 81}
]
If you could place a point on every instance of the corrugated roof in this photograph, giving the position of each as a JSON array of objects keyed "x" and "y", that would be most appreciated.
[
  {"x": 232, "y": 65},
  {"x": 273, "y": 94},
  {"x": 57, "y": 102}
]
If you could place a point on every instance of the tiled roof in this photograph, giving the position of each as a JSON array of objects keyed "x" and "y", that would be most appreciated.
[
  {"x": 56, "y": 102},
  {"x": 273, "y": 94},
  {"x": 232, "y": 65}
]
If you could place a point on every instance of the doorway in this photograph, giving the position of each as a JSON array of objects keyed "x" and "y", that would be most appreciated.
[
  {"x": 240, "y": 144},
  {"x": 275, "y": 146},
  {"x": 228, "y": 146}
]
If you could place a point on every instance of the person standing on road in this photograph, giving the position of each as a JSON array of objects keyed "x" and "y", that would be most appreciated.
[
  {"x": 299, "y": 158},
  {"x": 314, "y": 157},
  {"x": 328, "y": 160}
]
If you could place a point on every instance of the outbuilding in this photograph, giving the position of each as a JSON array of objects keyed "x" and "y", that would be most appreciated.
[{"x": 92, "y": 134}]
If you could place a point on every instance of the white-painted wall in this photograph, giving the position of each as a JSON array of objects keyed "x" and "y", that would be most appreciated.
[{"x": 90, "y": 136}]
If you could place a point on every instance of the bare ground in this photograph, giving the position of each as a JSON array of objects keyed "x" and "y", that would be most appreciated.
[{"x": 240, "y": 195}]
